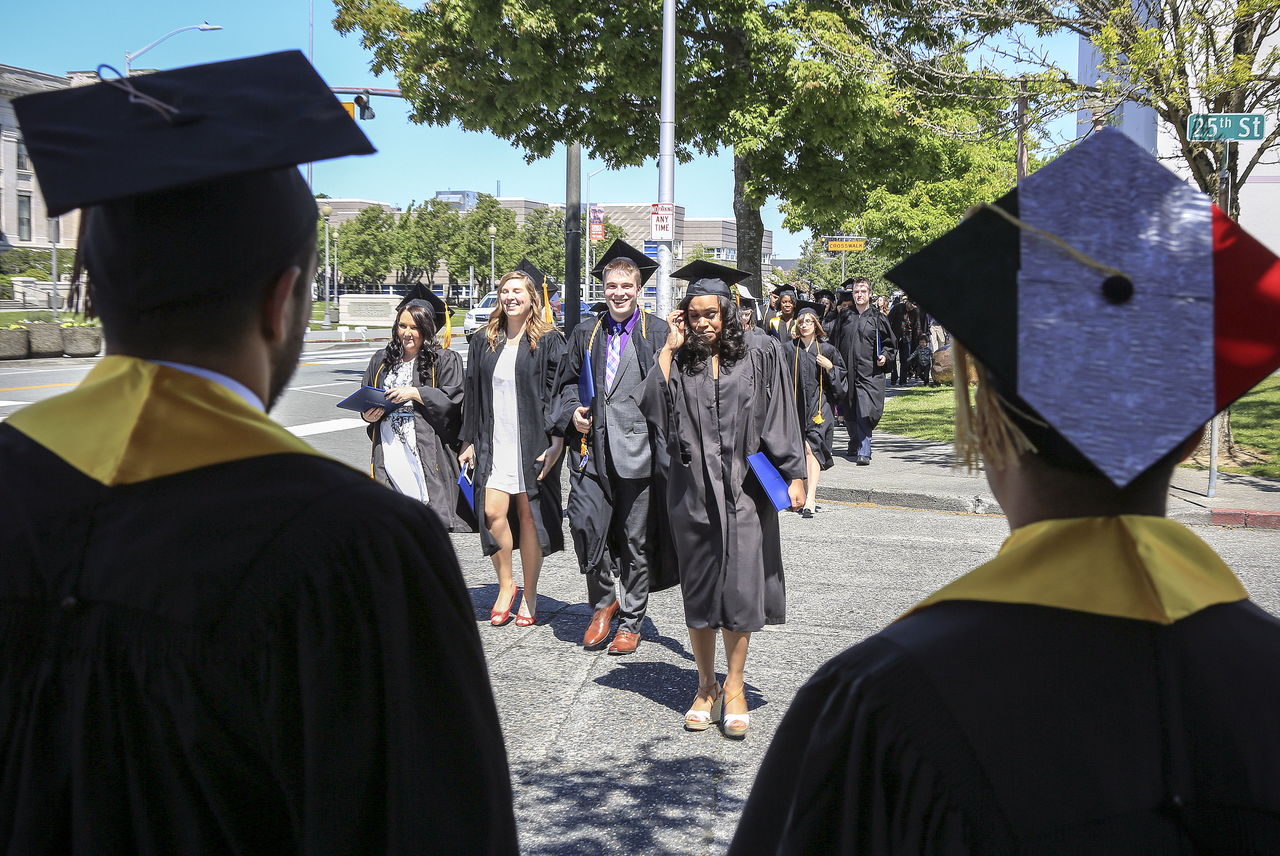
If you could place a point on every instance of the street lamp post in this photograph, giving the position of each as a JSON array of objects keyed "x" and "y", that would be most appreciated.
[
  {"x": 493, "y": 268},
  {"x": 54, "y": 230},
  {"x": 130, "y": 57},
  {"x": 590, "y": 175},
  {"x": 325, "y": 211}
]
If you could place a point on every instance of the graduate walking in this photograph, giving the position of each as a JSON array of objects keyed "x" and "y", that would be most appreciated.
[
  {"x": 716, "y": 401},
  {"x": 616, "y": 520},
  {"x": 509, "y": 407},
  {"x": 866, "y": 343},
  {"x": 415, "y": 437},
  {"x": 818, "y": 381},
  {"x": 1104, "y": 684}
]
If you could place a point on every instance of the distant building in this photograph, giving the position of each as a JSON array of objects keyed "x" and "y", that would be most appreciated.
[
  {"x": 462, "y": 201},
  {"x": 345, "y": 210},
  {"x": 24, "y": 220}
]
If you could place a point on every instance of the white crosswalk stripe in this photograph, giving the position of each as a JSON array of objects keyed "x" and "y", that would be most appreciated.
[{"x": 328, "y": 426}]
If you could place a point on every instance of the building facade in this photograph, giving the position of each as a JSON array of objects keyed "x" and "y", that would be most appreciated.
[{"x": 24, "y": 219}]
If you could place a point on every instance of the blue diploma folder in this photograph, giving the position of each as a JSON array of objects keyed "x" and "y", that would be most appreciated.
[
  {"x": 364, "y": 398},
  {"x": 468, "y": 488},
  {"x": 770, "y": 480},
  {"x": 586, "y": 382}
]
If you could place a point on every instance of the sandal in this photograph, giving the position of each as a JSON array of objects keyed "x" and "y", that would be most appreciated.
[
  {"x": 735, "y": 725},
  {"x": 701, "y": 720}
]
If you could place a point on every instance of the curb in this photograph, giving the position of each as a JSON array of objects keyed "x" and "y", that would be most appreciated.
[
  {"x": 912, "y": 499},
  {"x": 923, "y": 501},
  {"x": 1242, "y": 517}
]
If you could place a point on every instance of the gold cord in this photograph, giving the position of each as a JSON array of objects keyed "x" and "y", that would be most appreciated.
[{"x": 1057, "y": 242}]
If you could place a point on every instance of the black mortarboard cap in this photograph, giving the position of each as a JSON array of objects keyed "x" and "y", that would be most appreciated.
[
  {"x": 188, "y": 177},
  {"x": 599, "y": 308},
  {"x": 783, "y": 289},
  {"x": 422, "y": 295},
  {"x": 824, "y": 292},
  {"x": 813, "y": 309},
  {"x": 620, "y": 249},
  {"x": 1105, "y": 265},
  {"x": 844, "y": 295},
  {"x": 161, "y": 131},
  {"x": 534, "y": 273},
  {"x": 708, "y": 278},
  {"x": 848, "y": 284}
]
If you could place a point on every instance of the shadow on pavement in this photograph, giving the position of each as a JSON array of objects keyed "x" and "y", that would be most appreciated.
[
  {"x": 653, "y": 805},
  {"x": 666, "y": 684}
]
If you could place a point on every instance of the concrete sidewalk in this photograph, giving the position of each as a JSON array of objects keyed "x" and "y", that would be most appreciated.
[{"x": 919, "y": 474}]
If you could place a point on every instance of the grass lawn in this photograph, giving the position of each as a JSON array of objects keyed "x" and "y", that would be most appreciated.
[
  {"x": 926, "y": 413},
  {"x": 923, "y": 412},
  {"x": 1255, "y": 422}
]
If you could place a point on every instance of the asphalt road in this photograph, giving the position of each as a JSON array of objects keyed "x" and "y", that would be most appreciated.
[{"x": 599, "y": 759}]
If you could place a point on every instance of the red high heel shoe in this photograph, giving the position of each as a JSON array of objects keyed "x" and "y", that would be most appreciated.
[
  {"x": 528, "y": 620},
  {"x": 500, "y": 617}
]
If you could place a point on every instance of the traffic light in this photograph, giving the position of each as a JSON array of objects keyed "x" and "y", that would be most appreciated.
[{"x": 362, "y": 104}]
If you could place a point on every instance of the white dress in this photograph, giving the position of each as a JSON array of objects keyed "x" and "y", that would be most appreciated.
[
  {"x": 507, "y": 474},
  {"x": 400, "y": 440}
]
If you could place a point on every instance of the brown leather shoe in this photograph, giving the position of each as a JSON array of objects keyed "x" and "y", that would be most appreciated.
[
  {"x": 601, "y": 624},
  {"x": 624, "y": 642}
]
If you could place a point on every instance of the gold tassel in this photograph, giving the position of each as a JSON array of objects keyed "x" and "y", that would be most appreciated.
[
  {"x": 547, "y": 314},
  {"x": 448, "y": 328},
  {"x": 984, "y": 429}
]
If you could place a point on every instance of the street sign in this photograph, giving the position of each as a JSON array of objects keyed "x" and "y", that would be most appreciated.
[
  {"x": 662, "y": 217},
  {"x": 596, "y": 217},
  {"x": 1212, "y": 127},
  {"x": 844, "y": 243}
]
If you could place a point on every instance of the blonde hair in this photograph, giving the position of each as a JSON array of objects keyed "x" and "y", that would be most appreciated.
[
  {"x": 623, "y": 264},
  {"x": 984, "y": 429},
  {"x": 536, "y": 327}
]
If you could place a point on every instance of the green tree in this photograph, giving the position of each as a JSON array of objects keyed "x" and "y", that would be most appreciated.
[
  {"x": 365, "y": 247},
  {"x": 1176, "y": 57},
  {"x": 696, "y": 253},
  {"x": 470, "y": 243},
  {"x": 544, "y": 72},
  {"x": 543, "y": 237},
  {"x": 422, "y": 238}
]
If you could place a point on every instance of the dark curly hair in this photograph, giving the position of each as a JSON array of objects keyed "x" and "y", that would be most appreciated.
[
  {"x": 694, "y": 354},
  {"x": 430, "y": 347}
]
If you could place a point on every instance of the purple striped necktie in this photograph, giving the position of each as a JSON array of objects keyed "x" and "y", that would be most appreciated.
[{"x": 613, "y": 357}]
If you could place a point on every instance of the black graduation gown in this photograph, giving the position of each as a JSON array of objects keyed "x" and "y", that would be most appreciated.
[
  {"x": 215, "y": 640},
  {"x": 590, "y": 493},
  {"x": 857, "y": 337},
  {"x": 981, "y": 727},
  {"x": 436, "y": 421},
  {"x": 538, "y": 410},
  {"x": 724, "y": 527},
  {"x": 816, "y": 392}
]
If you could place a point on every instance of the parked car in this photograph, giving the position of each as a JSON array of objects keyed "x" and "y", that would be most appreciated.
[{"x": 479, "y": 314}]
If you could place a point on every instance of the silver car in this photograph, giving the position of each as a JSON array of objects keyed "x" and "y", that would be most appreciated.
[{"x": 478, "y": 316}]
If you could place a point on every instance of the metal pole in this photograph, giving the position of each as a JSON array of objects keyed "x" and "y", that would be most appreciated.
[
  {"x": 843, "y": 255},
  {"x": 1224, "y": 202},
  {"x": 667, "y": 148},
  {"x": 493, "y": 268},
  {"x": 572, "y": 302},
  {"x": 1022, "y": 130},
  {"x": 328, "y": 273},
  {"x": 311, "y": 58}
]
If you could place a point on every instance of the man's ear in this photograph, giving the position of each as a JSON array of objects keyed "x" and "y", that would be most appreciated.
[{"x": 278, "y": 304}]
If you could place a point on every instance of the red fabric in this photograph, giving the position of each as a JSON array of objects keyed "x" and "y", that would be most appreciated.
[{"x": 1246, "y": 310}]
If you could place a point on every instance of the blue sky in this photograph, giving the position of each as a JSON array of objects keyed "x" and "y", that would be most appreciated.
[{"x": 413, "y": 161}]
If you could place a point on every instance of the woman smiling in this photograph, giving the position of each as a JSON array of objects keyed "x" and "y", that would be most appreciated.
[
  {"x": 415, "y": 437},
  {"x": 507, "y": 418}
]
